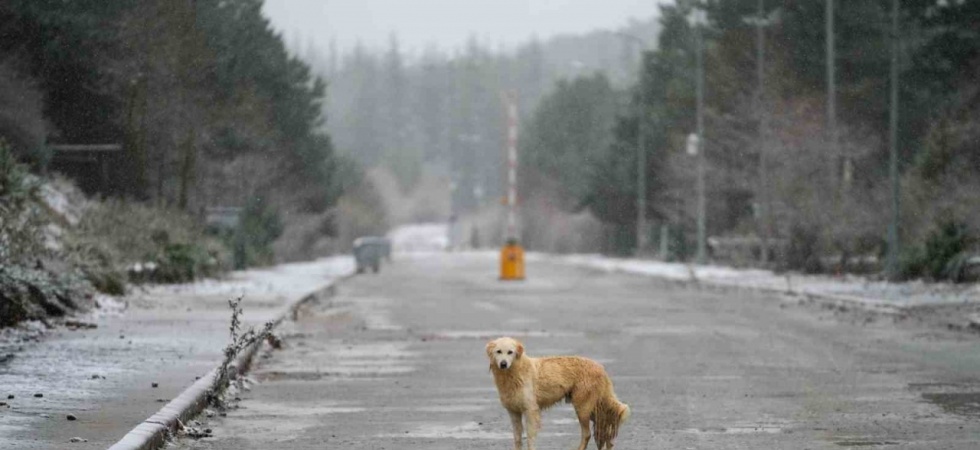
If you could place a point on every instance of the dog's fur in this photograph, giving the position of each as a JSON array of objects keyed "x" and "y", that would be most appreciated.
[{"x": 527, "y": 385}]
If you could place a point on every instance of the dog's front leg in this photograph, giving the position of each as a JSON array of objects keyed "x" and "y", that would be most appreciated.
[
  {"x": 533, "y": 425},
  {"x": 518, "y": 424}
]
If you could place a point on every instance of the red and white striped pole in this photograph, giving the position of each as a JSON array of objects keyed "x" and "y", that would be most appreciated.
[
  {"x": 512, "y": 255},
  {"x": 512, "y": 119}
]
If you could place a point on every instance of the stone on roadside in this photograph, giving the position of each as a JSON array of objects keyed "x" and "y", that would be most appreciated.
[
  {"x": 71, "y": 417},
  {"x": 76, "y": 440}
]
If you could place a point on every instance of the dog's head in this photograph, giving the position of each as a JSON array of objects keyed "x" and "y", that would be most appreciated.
[{"x": 503, "y": 352}]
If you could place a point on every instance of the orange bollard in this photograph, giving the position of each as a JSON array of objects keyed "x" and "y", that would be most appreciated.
[{"x": 512, "y": 261}]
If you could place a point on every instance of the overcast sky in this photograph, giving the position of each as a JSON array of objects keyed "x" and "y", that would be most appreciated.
[{"x": 446, "y": 23}]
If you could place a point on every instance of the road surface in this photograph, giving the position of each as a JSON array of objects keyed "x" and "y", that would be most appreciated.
[{"x": 396, "y": 361}]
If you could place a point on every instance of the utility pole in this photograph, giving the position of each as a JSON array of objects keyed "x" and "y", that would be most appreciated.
[
  {"x": 838, "y": 178},
  {"x": 698, "y": 33},
  {"x": 641, "y": 171},
  {"x": 760, "y": 55},
  {"x": 893, "y": 241},
  {"x": 642, "y": 236}
]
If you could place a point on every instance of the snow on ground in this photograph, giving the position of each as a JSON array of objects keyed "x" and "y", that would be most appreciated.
[
  {"x": 845, "y": 288},
  {"x": 290, "y": 280},
  {"x": 426, "y": 238},
  {"x": 420, "y": 238},
  {"x": 164, "y": 334}
]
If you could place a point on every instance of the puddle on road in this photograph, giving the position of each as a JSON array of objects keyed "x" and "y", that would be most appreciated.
[
  {"x": 564, "y": 421},
  {"x": 374, "y": 312},
  {"x": 332, "y": 371},
  {"x": 493, "y": 334},
  {"x": 259, "y": 421},
  {"x": 522, "y": 321},
  {"x": 962, "y": 403},
  {"x": 863, "y": 443},
  {"x": 486, "y": 306},
  {"x": 336, "y": 359},
  {"x": 962, "y": 399},
  {"x": 764, "y": 426},
  {"x": 652, "y": 330},
  {"x": 254, "y": 409},
  {"x": 468, "y": 430},
  {"x": 280, "y": 375},
  {"x": 441, "y": 408},
  {"x": 735, "y": 430}
]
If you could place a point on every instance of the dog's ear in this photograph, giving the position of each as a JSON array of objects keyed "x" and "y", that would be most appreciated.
[
  {"x": 490, "y": 346},
  {"x": 520, "y": 350}
]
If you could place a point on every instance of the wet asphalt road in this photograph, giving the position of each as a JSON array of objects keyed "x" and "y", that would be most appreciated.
[{"x": 396, "y": 361}]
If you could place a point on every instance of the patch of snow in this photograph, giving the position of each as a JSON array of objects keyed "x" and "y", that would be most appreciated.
[
  {"x": 854, "y": 289},
  {"x": 64, "y": 199},
  {"x": 289, "y": 280},
  {"x": 106, "y": 306},
  {"x": 427, "y": 237},
  {"x": 468, "y": 430}
]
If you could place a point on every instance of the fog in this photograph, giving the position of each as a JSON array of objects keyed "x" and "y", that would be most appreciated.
[
  {"x": 446, "y": 24},
  {"x": 301, "y": 221}
]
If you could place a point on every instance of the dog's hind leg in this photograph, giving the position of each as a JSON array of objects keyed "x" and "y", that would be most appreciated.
[
  {"x": 584, "y": 422},
  {"x": 518, "y": 425}
]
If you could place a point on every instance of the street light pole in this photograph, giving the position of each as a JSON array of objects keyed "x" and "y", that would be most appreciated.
[
  {"x": 701, "y": 250},
  {"x": 642, "y": 237},
  {"x": 838, "y": 177},
  {"x": 760, "y": 55},
  {"x": 893, "y": 240},
  {"x": 641, "y": 176}
]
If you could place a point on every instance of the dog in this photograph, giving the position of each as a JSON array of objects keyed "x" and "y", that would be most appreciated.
[{"x": 527, "y": 385}]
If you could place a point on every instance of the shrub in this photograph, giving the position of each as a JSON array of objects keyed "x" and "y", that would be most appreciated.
[
  {"x": 28, "y": 289},
  {"x": 941, "y": 255},
  {"x": 943, "y": 245},
  {"x": 21, "y": 221},
  {"x": 258, "y": 228},
  {"x": 116, "y": 240},
  {"x": 944, "y": 250},
  {"x": 112, "y": 282},
  {"x": 34, "y": 293},
  {"x": 179, "y": 263}
]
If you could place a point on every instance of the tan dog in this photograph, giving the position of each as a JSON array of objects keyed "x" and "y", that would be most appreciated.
[{"x": 527, "y": 385}]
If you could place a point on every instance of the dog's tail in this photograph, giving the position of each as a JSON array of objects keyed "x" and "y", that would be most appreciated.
[
  {"x": 624, "y": 413},
  {"x": 609, "y": 416}
]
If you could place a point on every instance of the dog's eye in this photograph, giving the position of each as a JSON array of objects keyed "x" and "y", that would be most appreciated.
[
  {"x": 500, "y": 351},
  {"x": 510, "y": 352}
]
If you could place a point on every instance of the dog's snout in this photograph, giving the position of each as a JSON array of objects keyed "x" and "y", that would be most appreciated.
[{"x": 503, "y": 364}]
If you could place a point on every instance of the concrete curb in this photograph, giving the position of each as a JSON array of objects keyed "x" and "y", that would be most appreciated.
[{"x": 154, "y": 432}]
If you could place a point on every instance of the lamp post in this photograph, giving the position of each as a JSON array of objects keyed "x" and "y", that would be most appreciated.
[
  {"x": 760, "y": 21},
  {"x": 642, "y": 237},
  {"x": 893, "y": 239},
  {"x": 840, "y": 174},
  {"x": 697, "y": 20}
]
